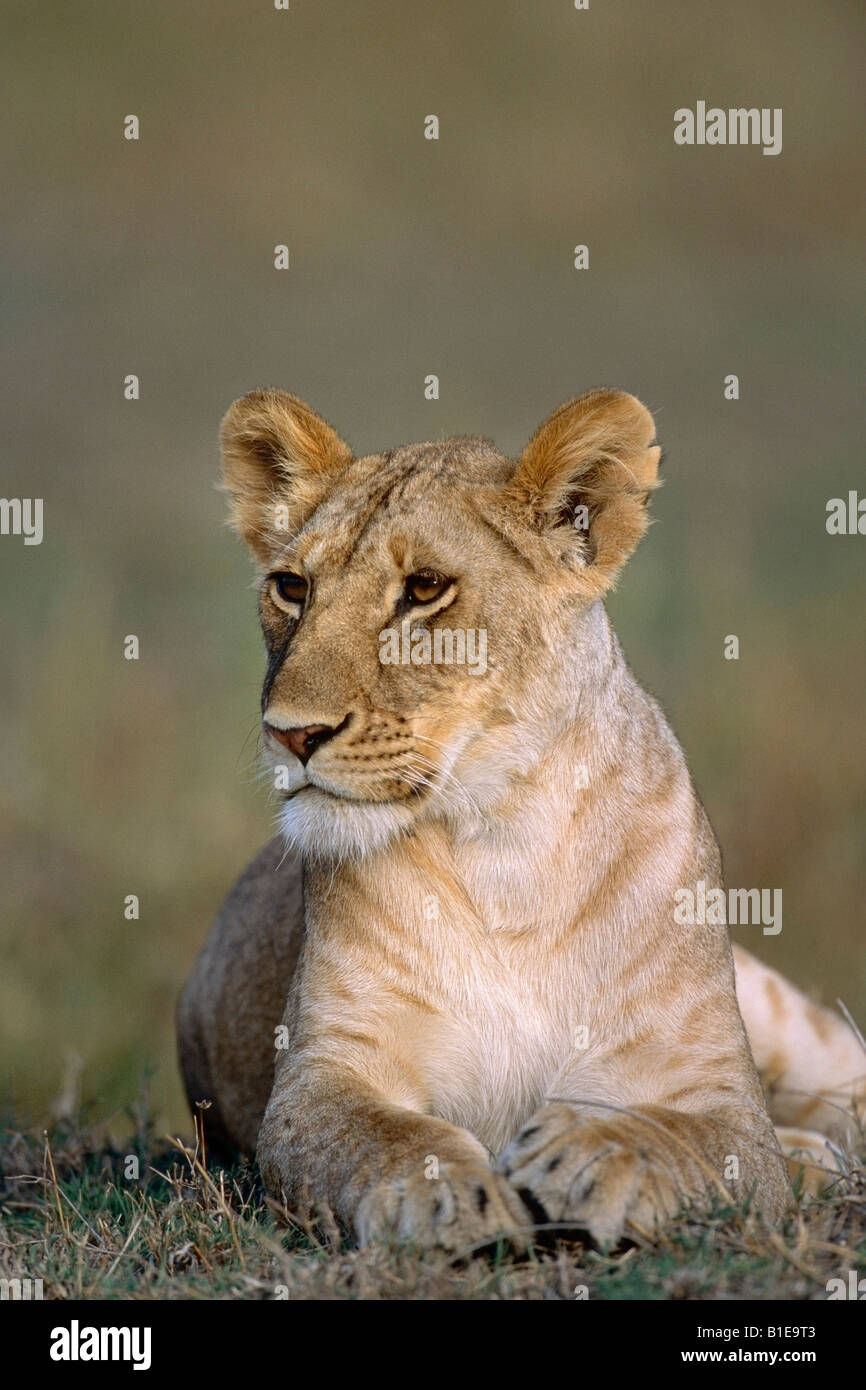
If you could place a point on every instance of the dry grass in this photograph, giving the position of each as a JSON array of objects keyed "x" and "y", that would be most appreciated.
[{"x": 72, "y": 1214}]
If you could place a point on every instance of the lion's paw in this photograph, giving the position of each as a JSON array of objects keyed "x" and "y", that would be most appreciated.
[
  {"x": 467, "y": 1204},
  {"x": 586, "y": 1174}
]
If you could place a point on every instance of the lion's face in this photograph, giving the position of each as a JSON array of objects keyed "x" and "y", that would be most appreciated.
[{"x": 417, "y": 608}]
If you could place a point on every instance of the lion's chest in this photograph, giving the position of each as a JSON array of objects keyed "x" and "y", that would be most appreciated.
[
  {"x": 507, "y": 1016},
  {"x": 504, "y": 984}
]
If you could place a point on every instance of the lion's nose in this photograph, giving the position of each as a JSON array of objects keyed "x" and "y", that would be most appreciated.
[{"x": 304, "y": 742}]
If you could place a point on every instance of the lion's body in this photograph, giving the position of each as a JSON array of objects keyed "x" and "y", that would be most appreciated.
[
  {"x": 802, "y": 1051},
  {"x": 483, "y": 958}
]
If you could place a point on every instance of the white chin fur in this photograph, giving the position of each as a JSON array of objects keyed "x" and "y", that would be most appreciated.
[{"x": 331, "y": 828}]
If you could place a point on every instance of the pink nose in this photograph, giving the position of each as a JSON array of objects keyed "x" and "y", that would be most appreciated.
[{"x": 303, "y": 742}]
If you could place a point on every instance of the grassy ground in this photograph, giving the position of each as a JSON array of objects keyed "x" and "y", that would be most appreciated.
[{"x": 74, "y": 1214}]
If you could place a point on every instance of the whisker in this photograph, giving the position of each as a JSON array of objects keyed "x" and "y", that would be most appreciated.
[
  {"x": 453, "y": 783},
  {"x": 424, "y": 763}
]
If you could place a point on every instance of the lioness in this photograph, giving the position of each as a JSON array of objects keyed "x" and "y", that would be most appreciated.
[{"x": 464, "y": 946}]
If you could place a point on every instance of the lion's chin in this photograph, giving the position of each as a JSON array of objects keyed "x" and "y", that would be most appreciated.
[{"x": 332, "y": 828}]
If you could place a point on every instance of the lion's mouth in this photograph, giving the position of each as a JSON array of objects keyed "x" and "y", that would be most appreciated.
[{"x": 415, "y": 791}]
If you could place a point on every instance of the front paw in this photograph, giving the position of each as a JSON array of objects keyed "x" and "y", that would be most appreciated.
[
  {"x": 592, "y": 1174},
  {"x": 466, "y": 1205}
]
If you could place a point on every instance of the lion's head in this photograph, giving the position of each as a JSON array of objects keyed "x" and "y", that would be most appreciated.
[{"x": 427, "y": 611}]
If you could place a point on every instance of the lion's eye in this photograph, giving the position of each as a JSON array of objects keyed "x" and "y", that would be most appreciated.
[
  {"x": 425, "y": 587},
  {"x": 291, "y": 588}
]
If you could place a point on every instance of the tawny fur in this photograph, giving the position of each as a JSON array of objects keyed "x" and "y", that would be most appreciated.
[{"x": 490, "y": 1014}]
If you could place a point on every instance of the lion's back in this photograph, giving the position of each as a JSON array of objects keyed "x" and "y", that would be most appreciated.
[{"x": 236, "y": 995}]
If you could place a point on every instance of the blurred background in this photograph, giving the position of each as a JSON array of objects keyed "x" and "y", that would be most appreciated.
[{"x": 408, "y": 257}]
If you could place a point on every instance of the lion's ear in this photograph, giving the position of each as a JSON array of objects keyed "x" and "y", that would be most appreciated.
[
  {"x": 587, "y": 472},
  {"x": 279, "y": 461}
]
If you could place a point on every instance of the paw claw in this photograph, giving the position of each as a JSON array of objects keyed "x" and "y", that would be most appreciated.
[
  {"x": 466, "y": 1205},
  {"x": 577, "y": 1171}
]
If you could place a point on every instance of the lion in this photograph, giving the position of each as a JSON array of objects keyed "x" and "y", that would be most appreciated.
[{"x": 451, "y": 1000}]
